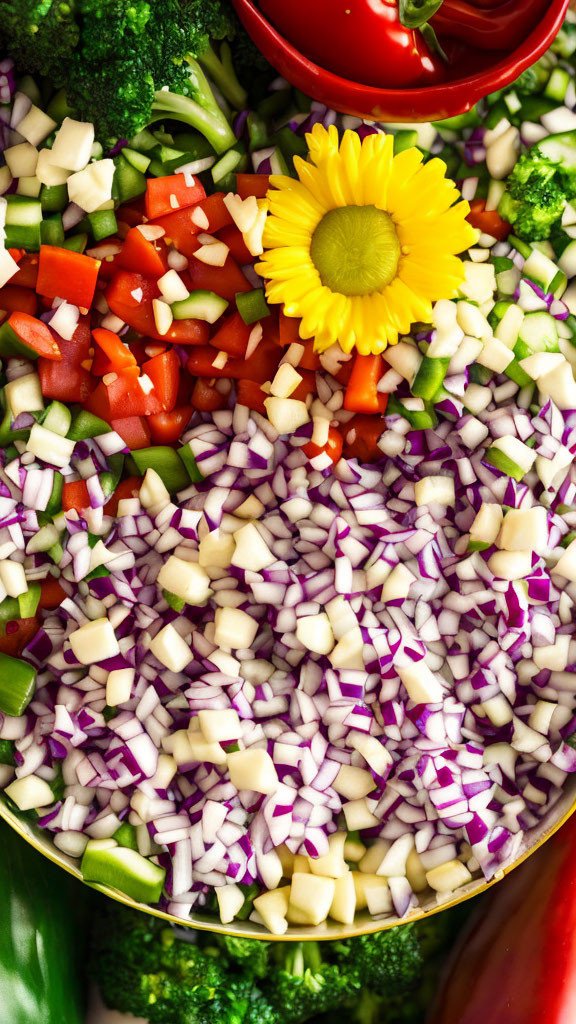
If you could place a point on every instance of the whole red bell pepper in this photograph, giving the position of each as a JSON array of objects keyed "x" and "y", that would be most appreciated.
[
  {"x": 517, "y": 962},
  {"x": 361, "y": 40},
  {"x": 486, "y": 25}
]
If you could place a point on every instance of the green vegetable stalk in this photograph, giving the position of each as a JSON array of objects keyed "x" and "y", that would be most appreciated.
[{"x": 40, "y": 938}]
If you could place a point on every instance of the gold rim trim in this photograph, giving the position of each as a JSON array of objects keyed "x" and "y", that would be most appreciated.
[{"x": 324, "y": 933}]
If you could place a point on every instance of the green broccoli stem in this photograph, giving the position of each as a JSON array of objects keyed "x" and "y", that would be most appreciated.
[
  {"x": 221, "y": 71},
  {"x": 202, "y": 113}
]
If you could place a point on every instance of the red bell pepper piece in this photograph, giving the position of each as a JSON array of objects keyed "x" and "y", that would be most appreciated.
[
  {"x": 361, "y": 393},
  {"x": 180, "y": 230},
  {"x": 126, "y": 397},
  {"x": 250, "y": 394},
  {"x": 307, "y": 385},
  {"x": 115, "y": 352},
  {"x": 488, "y": 221},
  {"x": 233, "y": 238},
  {"x": 141, "y": 255},
  {"x": 134, "y": 431},
  {"x": 205, "y": 398},
  {"x": 68, "y": 275},
  {"x": 168, "y": 427},
  {"x": 15, "y": 299},
  {"x": 123, "y": 297},
  {"x": 225, "y": 281},
  {"x": 75, "y": 496},
  {"x": 216, "y": 211},
  {"x": 361, "y": 436},
  {"x": 516, "y": 961},
  {"x": 252, "y": 185},
  {"x": 164, "y": 372},
  {"x": 333, "y": 446},
  {"x": 390, "y": 54},
  {"x": 16, "y": 254},
  {"x": 502, "y": 28},
  {"x": 233, "y": 336},
  {"x": 164, "y": 195},
  {"x": 127, "y": 488},
  {"x": 260, "y": 367},
  {"x": 34, "y": 335}
]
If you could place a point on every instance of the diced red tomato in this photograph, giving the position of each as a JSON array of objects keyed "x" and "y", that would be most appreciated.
[
  {"x": 164, "y": 372},
  {"x": 361, "y": 436},
  {"x": 141, "y": 255},
  {"x": 252, "y": 185},
  {"x": 250, "y": 394},
  {"x": 488, "y": 221},
  {"x": 75, "y": 496},
  {"x": 133, "y": 430},
  {"x": 52, "y": 593},
  {"x": 15, "y": 299},
  {"x": 233, "y": 336},
  {"x": 27, "y": 274},
  {"x": 225, "y": 281},
  {"x": 19, "y": 633},
  {"x": 64, "y": 381},
  {"x": 333, "y": 446},
  {"x": 361, "y": 393},
  {"x": 35, "y": 335},
  {"x": 167, "y": 427},
  {"x": 127, "y": 488},
  {"x": 205, "y": 398},
  {"x": 67, "y": 275},
  {"x": 169, "y": 193},
  {"x": 234, "y": 239}
]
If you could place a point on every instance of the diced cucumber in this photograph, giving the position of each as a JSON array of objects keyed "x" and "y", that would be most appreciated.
[
  {"x": 76, "y": 243},
  {"x": 107, "y": 863},
  {"x": 23, "y": 220},
  {"x": 539, "y": 333},
  {"x": 540, "y": 269},
  {"x": 140, "y": 161},
  {"x": 252, "y": 306},
  {"x": 200, "y": 305},
  {"x": 429, "y": 377},
  {"x": 515, "y": 372},
  {"x": 230, "y": 163},
  {"x": 522, "y": 247},
  {"x": 560, "y": 148},
  {"x": 557, "y": 84},
  {"x": 57, "y": 418},
  {"x": 53, "y": 198}
]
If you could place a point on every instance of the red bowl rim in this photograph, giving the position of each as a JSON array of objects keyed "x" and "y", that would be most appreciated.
[{"x": 448, "y": 97}]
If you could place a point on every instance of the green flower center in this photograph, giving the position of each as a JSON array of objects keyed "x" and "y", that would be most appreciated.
[{"x": 355, "y": 249}]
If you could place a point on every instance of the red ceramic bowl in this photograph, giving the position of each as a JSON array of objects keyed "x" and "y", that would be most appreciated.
[{"x": 429, "y": 103}]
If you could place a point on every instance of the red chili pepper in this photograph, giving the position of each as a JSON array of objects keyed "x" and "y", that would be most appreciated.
[
  {"x": 75, "y": 496},
  {"x": 141, "y": 255},
  {"x": 488, "y": 221},
  {"x": 362, "y": 40},
  {"x": 517, "y": 960},
  {"x": 127, "y": 488},
  {"x": 169, "y": 193},
  {"x": 68, "y": 275},
  {"x": 333, "y": 446},
  {"x": 361, "y": 393},
  {"x": 168, "y": 427},
  {"x": 502, "y": 27}
]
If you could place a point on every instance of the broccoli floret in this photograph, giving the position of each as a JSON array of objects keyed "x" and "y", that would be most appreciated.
[
  {"x": 303, "y": 982},
  {"x": 387, "y": 962},
  {"x": 536, "y": 193},
  {"x": 143, "y": 969},
  {"x": 40, "y": 35},
  {"x": 246, "y": 954}
]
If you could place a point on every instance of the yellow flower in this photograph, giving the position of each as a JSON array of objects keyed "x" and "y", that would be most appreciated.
[{"x": 364, "y": 242}]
